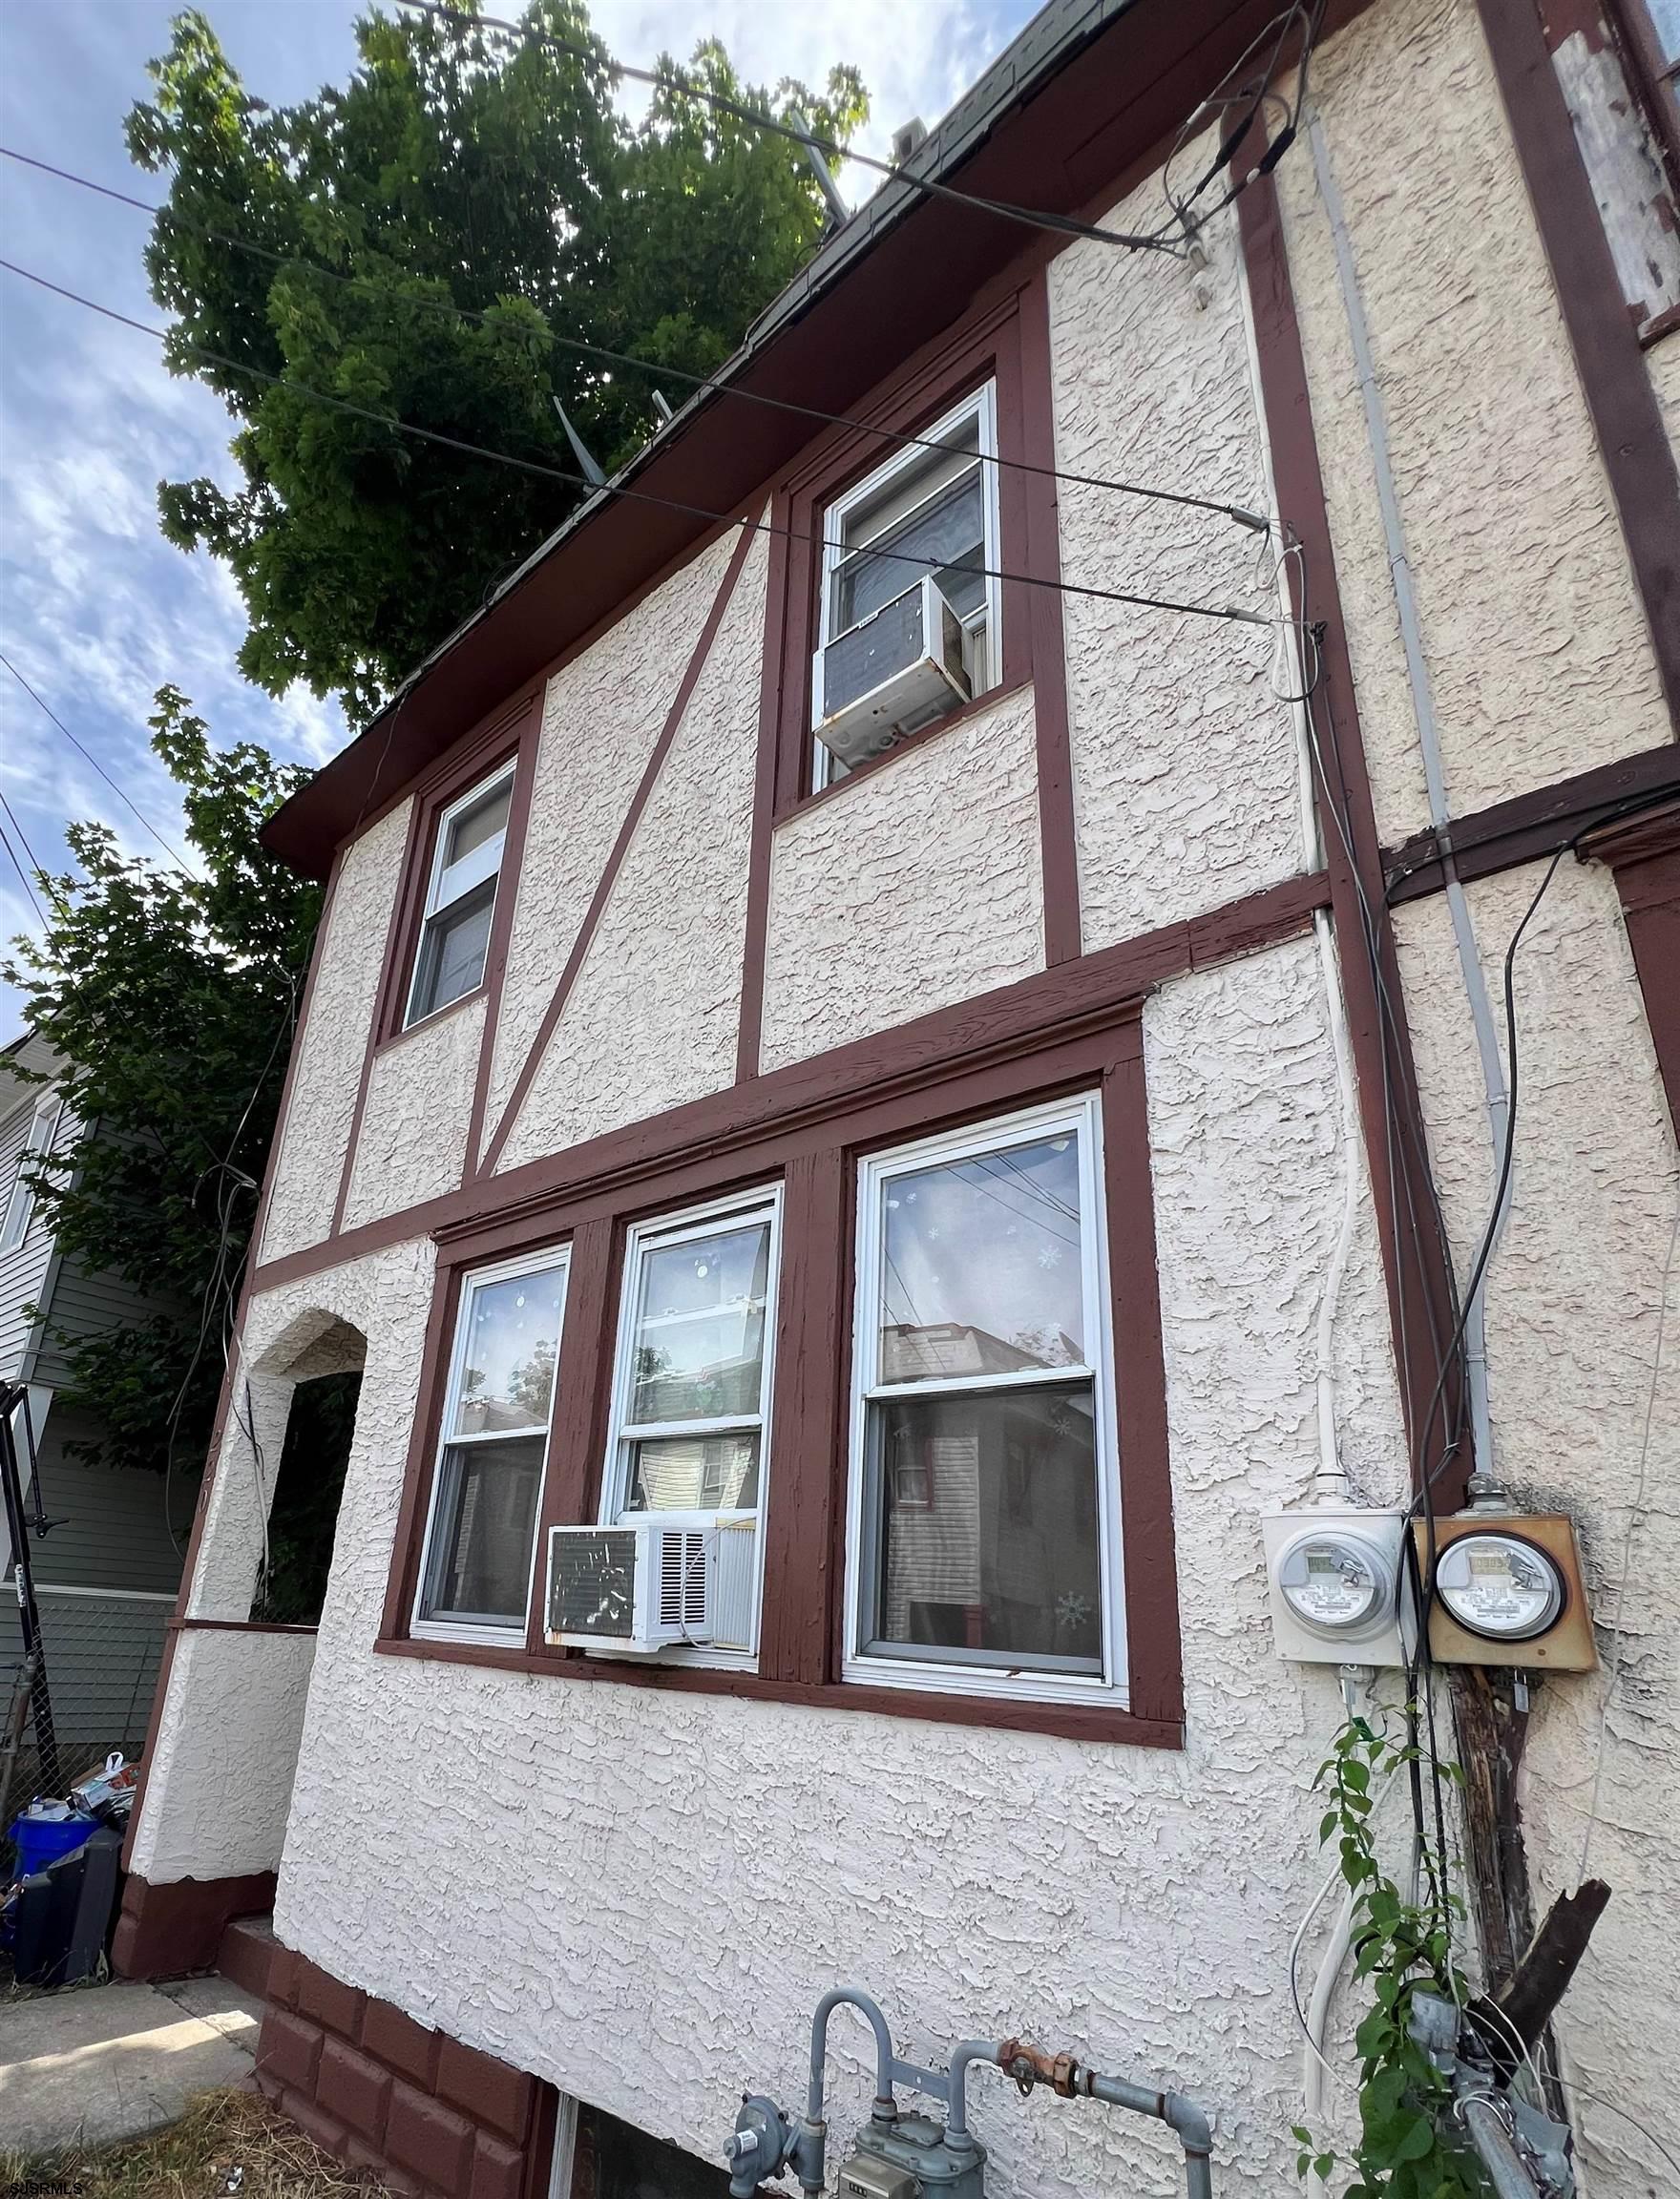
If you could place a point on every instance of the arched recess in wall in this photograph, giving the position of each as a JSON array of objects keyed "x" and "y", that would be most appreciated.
[{"x": 312, "y": 1371}]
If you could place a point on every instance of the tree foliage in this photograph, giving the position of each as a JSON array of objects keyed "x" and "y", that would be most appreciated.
[
  {"x": 171, "y": 999},
  {"x": 459, "y": 170}
]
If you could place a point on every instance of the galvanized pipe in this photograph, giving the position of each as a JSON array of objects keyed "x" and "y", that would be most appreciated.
[
  {"x": 1071, "y": 2081},
  {"x": 852, "y": 1997}
]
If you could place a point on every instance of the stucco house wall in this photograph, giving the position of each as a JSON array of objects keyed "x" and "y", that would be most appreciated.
[{"x": 584, "y": 1883}]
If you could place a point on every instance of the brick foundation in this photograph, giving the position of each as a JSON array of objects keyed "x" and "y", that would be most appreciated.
[
  {"x": 164, "y": 1931},
  {"x": 430, "y": 2117}
]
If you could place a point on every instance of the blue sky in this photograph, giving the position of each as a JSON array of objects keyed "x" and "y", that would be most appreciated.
[{"x": 96, "y": 611}]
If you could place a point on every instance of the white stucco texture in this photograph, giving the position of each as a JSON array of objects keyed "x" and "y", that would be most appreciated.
[
  {"x": 412, "y": 1140},
  {"x": 219, "y": 1778},
  {"x": 640, "y": 1896},
  {"x": 1184, "y": 760},
  {"x": 1536, "y": 645},
  {"x": 915, "y": 886},
  {"x": 317, "y": 1127},
  {"x": 1585, "y": 1422},
  {"x": 602, "y": 715}
]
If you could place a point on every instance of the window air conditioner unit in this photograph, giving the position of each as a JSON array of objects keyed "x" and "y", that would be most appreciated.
[
  {"x": 649, "y": 1585},
  {"x": 894, "y": 672}
]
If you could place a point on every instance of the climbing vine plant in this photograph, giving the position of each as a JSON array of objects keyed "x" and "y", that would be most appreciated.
[{"x": 1409, "y": 2146}]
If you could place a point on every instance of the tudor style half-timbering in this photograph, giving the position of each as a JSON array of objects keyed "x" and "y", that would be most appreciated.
[{"x": 910, "y": 1036}]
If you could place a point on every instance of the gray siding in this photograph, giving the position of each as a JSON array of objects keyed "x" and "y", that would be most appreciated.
[
  {"x": 102, "y": 1657},
  {"x": 75, "y": 1305},
  {"x": 113, "y": 1533}
]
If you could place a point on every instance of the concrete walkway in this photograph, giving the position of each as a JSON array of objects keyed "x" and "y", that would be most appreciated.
[{"x": 96, "y": 2064}]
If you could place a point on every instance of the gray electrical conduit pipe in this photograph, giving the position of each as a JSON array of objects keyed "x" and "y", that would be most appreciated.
[{"x": 1496, "y": 1093}]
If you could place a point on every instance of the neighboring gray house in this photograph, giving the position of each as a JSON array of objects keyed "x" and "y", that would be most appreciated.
[{"x": 107, "y": 1571}]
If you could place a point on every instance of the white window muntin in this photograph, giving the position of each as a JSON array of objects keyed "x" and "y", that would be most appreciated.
[
  {"x": 20, "y": 1202},
  {"x": 1082, "y": 1117},
  {"x": 692, "y": 1223},
  {"x": 451, "y": 883},
  {"x": 493, "y": 1627},
  {"x": 981, "y": 408}
]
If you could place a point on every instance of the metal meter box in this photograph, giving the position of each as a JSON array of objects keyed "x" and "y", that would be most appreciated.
[{"x": 908, "y": 2159}]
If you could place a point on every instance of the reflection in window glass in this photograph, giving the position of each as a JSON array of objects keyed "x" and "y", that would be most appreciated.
[
  {"x": 688, "y": 1427},
  {"x": 477, "y": 1569},
  {"x": 979, "y": 1527},
  {"x": 980, "y": 1270},
  {"x": 700, "y": 1328},
  {"x": 460, "y": 898},
  {"x": 989, "y": 1541}
]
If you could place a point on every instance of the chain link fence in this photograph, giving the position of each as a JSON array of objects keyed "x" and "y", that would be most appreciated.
[{"x": 100, "y": 1654}]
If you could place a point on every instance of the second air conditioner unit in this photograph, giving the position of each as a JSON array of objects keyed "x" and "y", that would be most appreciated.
[
  {"x": 891, "y": 673},
  {"x": 647, "y": 1585}
]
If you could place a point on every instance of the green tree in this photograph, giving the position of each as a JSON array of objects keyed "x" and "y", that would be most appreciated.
[
  {"x": 171, "y": 999},
  {"x": 458, "y": 171}
]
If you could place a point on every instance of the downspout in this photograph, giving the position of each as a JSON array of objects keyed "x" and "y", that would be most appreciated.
[{"x": 1496, "y": 1096}]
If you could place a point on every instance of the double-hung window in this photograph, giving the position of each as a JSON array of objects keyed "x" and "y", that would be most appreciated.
[
  {"x": 691, "y": 1393},
  {"x": 983, "y": 1529},
  {"x": 460, "y": 897},
  {"x": 476, "y": 1566},
  {"x": 20, "y": 1200},
  {"x": 925, "y": 511}
]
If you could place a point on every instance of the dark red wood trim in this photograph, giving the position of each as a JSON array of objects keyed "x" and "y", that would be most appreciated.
[
  {"x": 1644, "y": 854},
  {"x": 583, "y": 1387},
  {"x": 1659, "y": 326},
  {"x": 1073, "y": 1723},
  {"x": 513, "y": 731},
  {"x": 1633, "y": 444},
  {"x": 168, "y": 1929},
  {"x": 236, "y": 1626},
  {"x": 1154, "y": 1648},
  {"x": 984, "y": 345},
  {"x": 621, "y": 847},
  {"x": 411, "y": 1529},
  {"x": 1415, "y": 1259},
  {"x": 1057, "y": 842},
  {"x": 501, "y": 929},
  {"x": 804, "y": 1508},
  {"x": 997, "y": 1026},
  {"x": 764, "y": 803},
  {"x": 1515, "y": 831}
]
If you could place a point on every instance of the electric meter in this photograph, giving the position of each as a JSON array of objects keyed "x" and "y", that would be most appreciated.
[
  {"x": 1498, "y": 1586},
  {"x": 1332, "y": 1574},
  {"x": 1336, "y": 1582}
]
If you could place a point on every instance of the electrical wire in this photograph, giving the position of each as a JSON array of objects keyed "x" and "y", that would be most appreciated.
[
  {"x": 22, "y": 874},
  {"x": 1229, "y": 613},
  {"x": 92, "y": 759},
  {"x": 1635, "y": 1513},
  {"x": 689, "y": 88},
  {"x": 701, "y": 383}
]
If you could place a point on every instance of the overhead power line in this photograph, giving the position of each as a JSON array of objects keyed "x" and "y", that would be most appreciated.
[
  {"x": 700, "y": 384},
  {"x": 690, "y": 87},
  {"x": 1226, "y": 612},
  {"x": 24, "y": 879},
  {"x": 91, "y": 757}
]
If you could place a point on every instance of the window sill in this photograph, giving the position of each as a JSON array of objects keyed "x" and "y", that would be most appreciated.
[
  {"x": 926, "y": 735},
  {"x": 1068, "y": 1721},
  {"x": 431, "y": 1022}
]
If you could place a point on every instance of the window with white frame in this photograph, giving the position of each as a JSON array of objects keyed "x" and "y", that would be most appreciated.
[
  {"x": 477, "y": 1564},
  {"x": 982, "y": 1528},
  {"x": 925, "y": 511},
  {"x": 20, "y": 1199},
  {"x": 460, "y": 897},
  {"x": 691, "y": 1392}
]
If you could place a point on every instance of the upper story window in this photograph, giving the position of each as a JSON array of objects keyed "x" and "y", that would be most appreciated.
[
  {"x": 20, "y": 1198},
  {"x": 476, "y": 1569},
  {"x": 460, "y": 897},
  {"x": 909, "y": 613},
  {"x": 982, "y": 1533},
  {"x": 691, "y": 1392}
]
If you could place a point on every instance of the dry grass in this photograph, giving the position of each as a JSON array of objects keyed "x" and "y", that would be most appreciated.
[{"x": 226, "y": 2143}]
